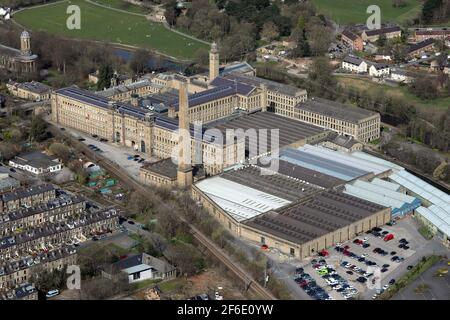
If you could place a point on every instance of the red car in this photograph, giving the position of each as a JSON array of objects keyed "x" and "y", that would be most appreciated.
[
  {"x": 388, "y": 237},
  {"x": 324, "y": 253}
]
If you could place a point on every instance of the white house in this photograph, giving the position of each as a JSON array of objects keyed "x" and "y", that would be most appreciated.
[
  {"x": 379, "y": 70},
  {"x": 399, "y": 75},
  {"x": 36, "y": 163},
  {"x": 354, "y": 64}
]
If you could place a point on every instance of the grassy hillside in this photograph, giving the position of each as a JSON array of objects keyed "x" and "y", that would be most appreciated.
[
  {"x": 354, "y": 11},
  {"x": 103, "y": 24}
]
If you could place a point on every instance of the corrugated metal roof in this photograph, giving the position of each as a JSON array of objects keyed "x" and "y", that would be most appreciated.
[
  {"x": 383, "y": 191},
  {"x": 373, "y": 159},
  {"x": 344, "y": 158},
  {"x": 422, "y": 189},
  {"x": 320, "y": 164},
  {"x": 373, "y": 196},
  {"x": 434, "y": 219},
  {"x": 386, "y": 184},
  {"x": 240, "y": 201}
]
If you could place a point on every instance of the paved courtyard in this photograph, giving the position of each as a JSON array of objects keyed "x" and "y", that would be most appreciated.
[{"x": 114, "y": 152}]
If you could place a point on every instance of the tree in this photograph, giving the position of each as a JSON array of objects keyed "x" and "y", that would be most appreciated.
[
  {"x": 321, "y": 78},
  {"x": 430, "y": 11},
  {"x": 424, "y": 88},
  {"x": 320, "y": 38},
  {"x": 140, "y": 204},
  {"x": 38, "y": 131},
  {"x": 171, "y": 12},
  {"x": 104, "y": 76},
  {"x": 60, "y": 150},
  {"x": 201, "y": 57},
  {"x": 139, "y": 62},
  {"x": 270, "y": 31},
  {"x": 186, "y": 258},
  {"x": 302, "y": 48},
  {"x": 8, "y": 151},
  {"x": 381, "y": 41}
]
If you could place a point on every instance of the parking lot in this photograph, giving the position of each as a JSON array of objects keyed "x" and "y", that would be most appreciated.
[
  {"x": 123, "y": 156},
  {"x": 363, "y": 266}
]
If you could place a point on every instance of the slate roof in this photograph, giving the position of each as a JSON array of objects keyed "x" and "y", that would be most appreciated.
[
  {"x": 26, "y": 192},
  {"x": 353, "y": 60},
  {"x": 323, "y": 213},
  {"x": 382, "y": 31},
  {"x": 420, "y": 45},
  {"x": 336, "y": 110},
  {"x": 222, "y": 91}
]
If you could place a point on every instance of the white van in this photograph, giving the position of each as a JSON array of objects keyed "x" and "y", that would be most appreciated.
[{"x": 52, "y": 293}]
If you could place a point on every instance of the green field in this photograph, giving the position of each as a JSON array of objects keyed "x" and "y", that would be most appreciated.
[
  {"x": 354, "y": 11},
  {"x": 440, "y": 104},
  {"x": 122, "y": 5},
  {"x": 108, "y": 25}
]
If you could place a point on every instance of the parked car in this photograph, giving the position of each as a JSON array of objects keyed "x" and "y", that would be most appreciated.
[
  {"x": 52, "y": 293},
  {"x": 391, "y": 282},
  {"x": 388, "y": 237}
]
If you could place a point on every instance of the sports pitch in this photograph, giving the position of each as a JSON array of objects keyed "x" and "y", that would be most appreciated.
[
  {"x": 354, "y": 11},
  {"x": 107, "y": 25}
]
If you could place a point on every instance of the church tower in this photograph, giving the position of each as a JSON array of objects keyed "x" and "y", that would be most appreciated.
[
  {"x": 213, "y": 62},
  {"x": 184, "y": 172},
  {"x": 25, "y": 43}
]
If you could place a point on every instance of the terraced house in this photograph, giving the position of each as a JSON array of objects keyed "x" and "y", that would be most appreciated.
[
  {"x": 15, "y": 273},
  {"x": 26, "y": 197},
  {"x": 52, "y": 211},
  {"x": 39, "y": 225},
  {"x": 54, "y": 235}
]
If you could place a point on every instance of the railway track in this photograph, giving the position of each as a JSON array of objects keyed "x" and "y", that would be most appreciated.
[{"x": 218, "y": 253}]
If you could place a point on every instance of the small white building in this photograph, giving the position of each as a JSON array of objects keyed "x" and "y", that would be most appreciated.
[
  {"x": 141, "y": 267},
  {"x": 399, "y": 75},
  {"x": 354, "y": 64},
  {"x": 379, "y": 70},
  {"x": 36, "y": 163}
]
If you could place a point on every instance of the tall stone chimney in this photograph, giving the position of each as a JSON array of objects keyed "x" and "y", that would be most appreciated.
[
  {"x": 184, "y": 173},
  {"x": 264, "y": 97}
]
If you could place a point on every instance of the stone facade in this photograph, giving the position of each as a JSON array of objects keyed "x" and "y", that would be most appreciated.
[{"x": 19, "y": 61}]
